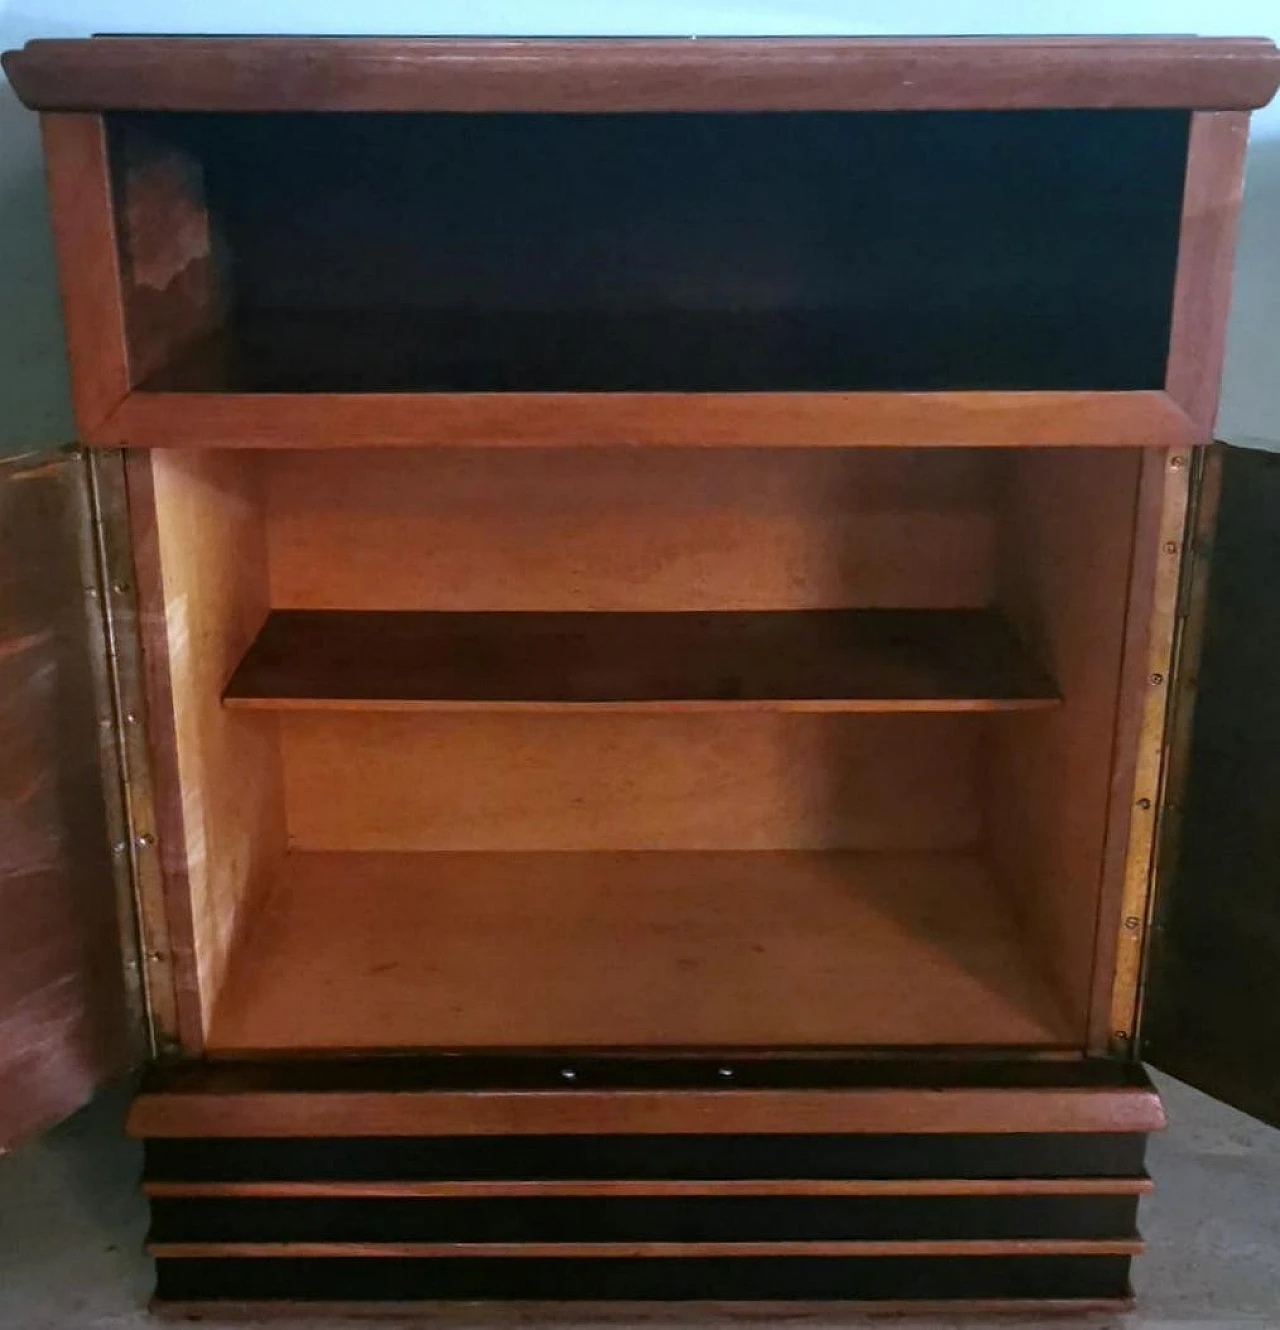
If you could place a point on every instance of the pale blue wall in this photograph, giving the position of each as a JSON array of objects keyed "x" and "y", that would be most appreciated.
[{"x": 33, "y": 409}]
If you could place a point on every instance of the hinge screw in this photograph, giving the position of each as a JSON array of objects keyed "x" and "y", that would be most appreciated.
[
  {"x": 1170, "y": 547},
  {"x": 146, "y": 840},
  {"x": 1177, "y": 462},
  {"x": 130, "y": 717},
  {"x": 120, "y": 587},
  {"x": 725, "y": 1073},
  {"x": 119, "y": 847},
  {"x": 568, "y": 1074},
  {"x": 1132, "y": 921},
  {"x": 1122, "y": 1036},
  {"x": 1144, "y": 803},
  {"x": 1157, "y": 679}
]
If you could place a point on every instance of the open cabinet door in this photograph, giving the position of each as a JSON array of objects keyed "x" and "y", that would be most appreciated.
[
  {"x": 1212, "y": 998},
  {"x": 66, "y": 1019}
]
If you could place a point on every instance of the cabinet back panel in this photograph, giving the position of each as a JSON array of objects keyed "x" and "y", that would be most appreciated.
[
  {"x": 617, "y": 782},
  {"x": 630, "y": 530}
]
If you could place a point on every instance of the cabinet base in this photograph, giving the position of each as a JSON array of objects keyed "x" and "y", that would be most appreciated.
[{"x": 280, "y": 1183}]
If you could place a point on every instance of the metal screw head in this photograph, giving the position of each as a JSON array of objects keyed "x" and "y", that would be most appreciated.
[
  {"x": 1132, "y": 922},
  {"x": 1177, "y": 463},
  {"x": 1122, "y": 1035},
  {"x": 120, "y": 587},
  {"x": 146, "y": 840},
  {"x": 1144, "y": 803},
  {"x": 1157, "y": 679},
  {"x": 130, "y": 717},
  {"x": 568, "y": 1074},
  {"x": 1171, "y": 547},
  {"x": 725, "y": 1073},
  {"x": 120, "y": 847}
]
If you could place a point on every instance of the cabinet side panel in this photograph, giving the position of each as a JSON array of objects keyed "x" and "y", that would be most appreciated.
[
  {"x": 169, "y": 251},
  {"x": 81, "y": 213},
  {"x": 214, "y": 587},
  {"x": 1068, "y": 533},
  {"x": 630, "y": 530},
  {"x": 1206, "y": 250}
]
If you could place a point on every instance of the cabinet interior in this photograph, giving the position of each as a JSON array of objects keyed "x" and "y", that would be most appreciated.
[
  {"x": 704, "y": 253},
  {"x": 784, "y": 766}
]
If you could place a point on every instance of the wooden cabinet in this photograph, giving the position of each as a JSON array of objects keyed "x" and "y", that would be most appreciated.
[{"x": 657, "y": 571}]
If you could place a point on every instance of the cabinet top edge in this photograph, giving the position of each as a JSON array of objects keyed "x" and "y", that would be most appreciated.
[{"x": 276, "y": 74}]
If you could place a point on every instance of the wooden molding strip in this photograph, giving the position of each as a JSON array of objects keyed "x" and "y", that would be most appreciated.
[
  {"x": 710, "y": 1187},
  {"x": 674, "y": 74},
  {"x": 589, "y": 1112},
  {"x": 702, "y": 420},
  {"x": 643, "y": 1250}
]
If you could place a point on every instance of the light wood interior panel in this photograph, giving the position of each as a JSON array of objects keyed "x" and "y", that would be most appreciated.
[
  {"x": 214, "y": 569},
  {"x": 625, "y": 782},
  {"x": 172, "y": 292},
  {"x": 1067, "y": 544},
  {"x": 630, "y": 529},
  {"x": 558, "y": 950}
]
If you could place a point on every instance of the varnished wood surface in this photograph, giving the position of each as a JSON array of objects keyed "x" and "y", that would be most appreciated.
[
  {"x": 64, "y": 1015},
  {"x": 854, "y": 660},
  {"x": 168, "y": 845},
  {"x": 708, "y": 1187},
  {"x": 1211, "y": 201},
  {"x": 1153, "y": 627},
  {"x": 648, "y": 1250},
  {"x": 774, "y": 1094},
  {"x": 1210, "y": 1015},
  {"x": 81, "y": 206},
  {"x": 694, "y": 420},
  {"x": 631, "y": 529},
  {"x": 642, "y": 74},
  {"x": 171, "y": 286},
  {"x": 744, "y": 780},
  {"x": 547, "y": 950},
  {"x": 223, "y": 771},
  {"x": 1067, "y": 541}
]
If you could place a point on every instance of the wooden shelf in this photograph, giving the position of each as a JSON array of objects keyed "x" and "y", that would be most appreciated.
[
  {"x": 712, "y": 949},
  {"x": 806, "y": 660}
]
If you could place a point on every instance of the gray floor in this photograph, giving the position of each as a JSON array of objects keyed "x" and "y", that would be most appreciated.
[{"x": 71, "y": 1227}]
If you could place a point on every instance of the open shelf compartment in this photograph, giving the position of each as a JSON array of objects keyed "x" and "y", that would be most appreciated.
[
  {"x": 776, "y": 279},
  {"x": 654, "y": 750}
]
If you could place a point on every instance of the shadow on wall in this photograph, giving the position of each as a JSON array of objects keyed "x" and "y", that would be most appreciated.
[{"x": 34, "y": 408}]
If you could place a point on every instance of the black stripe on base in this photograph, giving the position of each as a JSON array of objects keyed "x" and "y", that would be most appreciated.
[{"x": 783, "y": 1279}]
